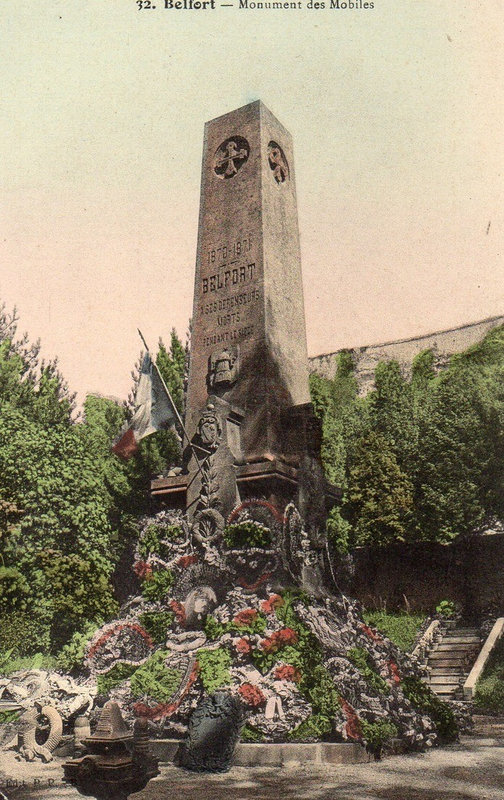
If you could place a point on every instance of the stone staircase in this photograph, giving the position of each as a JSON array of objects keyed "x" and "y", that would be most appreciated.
[{"x": 451, "y": 660}]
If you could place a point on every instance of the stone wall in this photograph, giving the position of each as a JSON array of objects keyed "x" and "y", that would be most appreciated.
[
  {"x": 443, "y": 343},
  {"x": 469, "y": 572}
]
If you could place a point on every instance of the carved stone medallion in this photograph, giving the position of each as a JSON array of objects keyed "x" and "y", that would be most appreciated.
[
  {"x": 231, "y": 156},
  {"x": 278, "y": 162}
]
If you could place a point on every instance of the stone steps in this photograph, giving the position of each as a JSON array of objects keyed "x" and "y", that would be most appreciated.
[{"x": 451, "y": 660}]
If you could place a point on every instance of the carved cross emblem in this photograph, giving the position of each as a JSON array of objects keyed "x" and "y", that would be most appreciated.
[{"x": 230, "y": 156}]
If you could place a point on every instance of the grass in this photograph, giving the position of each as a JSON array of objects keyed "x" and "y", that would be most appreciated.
[
  {"x": 401, "y": 628},
  {"x": 489, "y": 694}
]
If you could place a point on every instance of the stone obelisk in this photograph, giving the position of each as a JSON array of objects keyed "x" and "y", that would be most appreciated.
[{"x": 248, "y": 375}]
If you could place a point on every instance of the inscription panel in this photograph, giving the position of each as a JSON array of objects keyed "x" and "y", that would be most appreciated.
[{"x": 229, "y": 293}]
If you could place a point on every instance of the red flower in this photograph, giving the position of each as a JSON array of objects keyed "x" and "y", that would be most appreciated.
[
  {"x": 186, "y": 561},
  {"x": 286, "y": 672},
  {"x": 179, "y": 611},
  {"x": 394, "y": 672},
  {"x": 279, "y": 639},
  {"x": 274, "y": 601},
  {"x": 246, "y": 617},
  {"x": 143, "y": 570},
  {"x": 353, "y": 726},
  {"x": 243, "y": 646},
  {"x": 252, "y": 695},
  {"x": 370, "y": 633}
]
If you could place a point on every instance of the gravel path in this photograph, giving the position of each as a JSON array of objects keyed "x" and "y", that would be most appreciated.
[{"x": 471, "y": 770}]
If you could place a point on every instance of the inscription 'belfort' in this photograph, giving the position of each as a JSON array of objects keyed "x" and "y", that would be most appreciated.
[{"x": 228, "y": 277}]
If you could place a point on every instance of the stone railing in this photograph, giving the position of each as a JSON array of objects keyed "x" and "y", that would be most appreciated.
[
  {"x": 427, "y": 640},
  {"x": 493, "y": 637}
]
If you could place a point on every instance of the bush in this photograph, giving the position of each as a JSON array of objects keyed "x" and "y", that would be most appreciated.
[
  {"x": 155, "y": 679},
  {"x": 400, "y": 628},
  {"x": 424, "y": 700},
  {"x": 361, "y": 659},
  {"x": 151, "y": 540},
  {"x": 214, "y": 668},
  {"x": 14, "y": 590},
  {"x": 158, "y": 586},
  {"x": 114, "y": 677},
  {"x": 316, "y": 727},
  {"x": 71, "y": 656},
  {"x": 377, "y": 734},
  {"x": 446, "y": 608},
  {"x": 247, "y": 534},
  {"x": 251, "y": 734},
  {"x": 157, "y": 623},
  {"x": 24, "y": 634}
]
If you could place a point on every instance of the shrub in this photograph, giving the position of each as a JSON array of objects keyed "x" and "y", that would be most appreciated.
[
  {"x": 378, "y": 733},
  {"x": 71, "y": 656},
  {"x": 157, "y": 623},
  {"x": 361, "y": 659},
  {"x": 155, "y": 679},
  {"x": 25, "y": 633},
  {"x": 214, "y": 668},
  {"x": 114, "y": 677},
  {"x": 251, "y": 734},
  {"x": 247, "y": 534},
  {"x": 446, "y": 608},
  {"x": 424, "y": 700},
  {"x": 401, "y": 628},
  {"x": 14, "y": 590},
  {"x": 316, "y": 727},
  {"x": 158, "y": 586},
  {"x": 151, "y": 541}
]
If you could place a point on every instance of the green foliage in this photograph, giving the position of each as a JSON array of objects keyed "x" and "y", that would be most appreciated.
[
  {"x": 313, "y": 729},
  {"x": 25, "y": 633},
  {"x": 9, "y": 716},
  {"x": 157, "y": 624},
  {"x": 378, "y": 733},
  {"x": 114, "y": 677},
  {"x": 10, "y": 663},
  {"x": 71, "y": 656},
  {"x": 489, "y": 694},
  {"x": 152, "y": 536},
  {"x": 247, "y": 534},
  {"x": 214, "y": 668},
  {"x": 420, "y": 459},
  {"x": 63, "y": 492},
  {"x": 154, "y": 679},
  {"x": 251, "y": 734},
  {"x": 213, "y": 629},
  {"x": 14, "y": 590},
  {"x": 425, "y": 701},
  {"x": 446, "y": 608},
  {"x": 75, "y": 590},
  {"x": 400, "y": 628},
  {"x": 158, "y": 585},
  {"x": 361, "y": 659}
]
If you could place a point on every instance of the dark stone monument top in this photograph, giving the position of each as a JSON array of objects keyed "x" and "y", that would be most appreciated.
[{"x": 249, "y": 358}]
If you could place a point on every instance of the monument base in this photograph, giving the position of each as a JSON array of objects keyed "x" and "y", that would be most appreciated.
[
  {"x": 271, "y": 480},
  {"x": 276, "y": 755}
]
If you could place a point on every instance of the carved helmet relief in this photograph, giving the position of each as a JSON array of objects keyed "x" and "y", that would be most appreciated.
[
  {"x": 230, "y": 156},
  {"x": 278, "y": 162}
]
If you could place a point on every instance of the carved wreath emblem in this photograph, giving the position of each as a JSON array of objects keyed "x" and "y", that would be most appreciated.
[
  {"x": 278, "y": 162},
  {"x": 231, "y": 156}
]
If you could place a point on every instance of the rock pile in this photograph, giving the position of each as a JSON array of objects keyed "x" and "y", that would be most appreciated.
[{"x": 228, "y": 605}]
